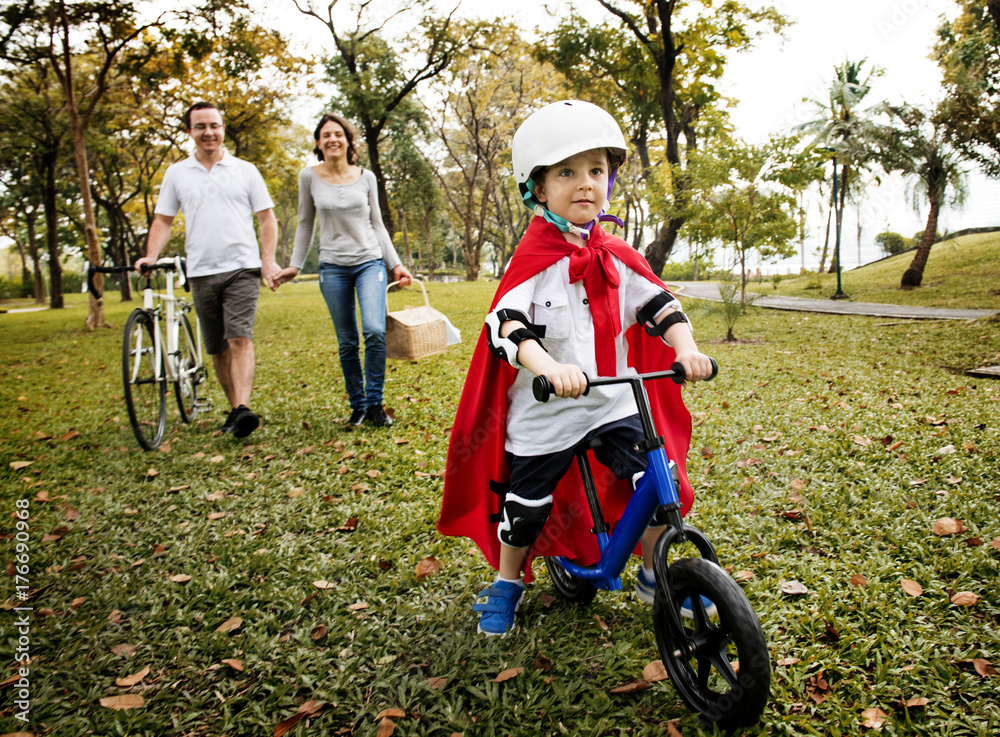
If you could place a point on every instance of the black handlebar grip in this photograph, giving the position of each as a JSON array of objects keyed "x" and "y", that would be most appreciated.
[
  {"x": 680, "y": 378},
  {"x": 542, "y": 388}
]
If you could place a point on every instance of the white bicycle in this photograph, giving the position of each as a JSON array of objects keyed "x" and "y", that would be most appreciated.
[{"x": 153, "y": 355}]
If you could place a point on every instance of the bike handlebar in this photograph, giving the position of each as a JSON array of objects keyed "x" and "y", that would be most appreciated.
[
  {"x": 542, "y": 388},
  {"x": 147, "y": 269}
]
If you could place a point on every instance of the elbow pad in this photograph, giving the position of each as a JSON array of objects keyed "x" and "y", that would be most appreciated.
[
  {"x": 506, "y": 348},
  {"x": 646, "y": 315}
]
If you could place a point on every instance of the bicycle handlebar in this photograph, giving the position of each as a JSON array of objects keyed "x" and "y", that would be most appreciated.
[
  {"x": 147, "y": 269},
  {"x": 542, "y": 388}
]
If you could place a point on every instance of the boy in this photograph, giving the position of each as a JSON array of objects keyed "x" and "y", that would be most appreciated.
[{"x": 567, "y": 299}]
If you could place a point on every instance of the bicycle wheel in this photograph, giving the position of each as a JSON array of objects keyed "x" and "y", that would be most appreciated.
[
  {"x": 719, "y": 664},
  {"x": 190, "y": 374},
  {"x": 145, "y": 394},
  {"x": 577, "y": 590}
]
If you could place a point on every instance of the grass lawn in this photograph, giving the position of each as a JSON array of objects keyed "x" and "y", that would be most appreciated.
[
  {"x": 961, "y": 272},
  {"x": 234, "y": 586}
]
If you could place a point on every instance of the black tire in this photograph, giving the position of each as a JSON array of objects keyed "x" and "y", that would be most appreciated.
[
  {"x": 700, "y": 658},
  {"x": 190, "y": 374},
  {"x": 145, "y": 395},
  {"x": 577, "y": 590}
]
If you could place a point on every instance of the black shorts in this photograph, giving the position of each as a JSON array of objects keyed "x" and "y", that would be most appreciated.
[{"x": 226, "y": 305}]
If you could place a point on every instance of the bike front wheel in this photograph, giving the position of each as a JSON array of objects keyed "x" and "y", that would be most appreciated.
[
  {"x": 145, "y": 382},
  {"x": 577, "y": 590},
  {"x": 718, "y": 662},
  {"x": 190, "y": 373}
]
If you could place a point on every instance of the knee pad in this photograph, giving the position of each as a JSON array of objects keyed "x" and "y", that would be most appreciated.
[{"x": 523, "y": 520}]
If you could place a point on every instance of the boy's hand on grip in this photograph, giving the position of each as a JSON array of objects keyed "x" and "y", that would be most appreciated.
[
  {"x": 697, "y": 366},
  {"x": 567, "y": 380}
]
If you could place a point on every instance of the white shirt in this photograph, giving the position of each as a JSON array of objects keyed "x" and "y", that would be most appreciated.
[
  {"x": 219, "y": 207},
  {"x": 548, "y": 298}
]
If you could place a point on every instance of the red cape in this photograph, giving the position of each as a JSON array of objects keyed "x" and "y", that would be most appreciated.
[{"x": 477, "y": 472}]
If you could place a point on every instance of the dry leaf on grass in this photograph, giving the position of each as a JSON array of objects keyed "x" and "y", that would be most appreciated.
[
  {"x": 794, "y": 588},
  {"x": 965, "y": 598},
  {"x": 912, "y": 587},
  {"x": 322, "y": 584},
  {"x": 125, "y": 701},
  {"x": 436, "y": 682},
  {"x": 18, "y": 465},
  {"x": 234, "y": 663},
  {"x": 428, "y": 567},
  {"x": 858, "y": 580},
  {"x": 132, "y": 679},
  {"x": 124, "y": 650},
  {"x": 357, "y": 606},
  {"x": 394, "y": 713},
  {"x": 230, "y": 624},
  {"x": 308, "y": 709},
  {"x": 743, "y": 575},
  {"x": 635, "y": 686},
  {"x": 917, "y": 702},
  {"x": 654, "y": 671},
  {"x": 873, "y": 718},
  {"x": 318, "y": 633},
  {"x": 386, "y": 728},
  {"x": 672, "y": 730},
  {"x": 983, "y": 667},
  {"x": 507, "y": 674},
  {"x": 789, "y": 661},
  {"x": 180, "y": 578},
  {"x": 947, "y": 526}
]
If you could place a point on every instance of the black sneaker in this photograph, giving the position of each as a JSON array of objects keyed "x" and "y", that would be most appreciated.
[
  {"x": 228, "y": 425},
  {"x": 377, "y": 416},
  {"x": 245, "y": 421},
  {"x": 357, "y": 417}
]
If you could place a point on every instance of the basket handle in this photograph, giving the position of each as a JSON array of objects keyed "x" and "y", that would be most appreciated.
[{"x": 427, "y": 302}]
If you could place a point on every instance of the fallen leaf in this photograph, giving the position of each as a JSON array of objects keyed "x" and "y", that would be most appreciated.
[
  {"x": 794, "y": 588},
  {"x": 601, "y": 623},
  {"x": 357, "y": 606},
  {"x": 18, "y": 465},
  {"x": 632, "y": 686},
  {"x": 672, "y": 730},
  {"x": 318, "y": 633},
  {"x": 124, "y": 650},
  {"x": 230, "y": 624},
  {"x": 920, "y": 701},
  {"x": 350, "y": 526},
  {"x": 996, "y": 543},
  {"x": 216, "y": 459},
  {"x": 797, "y": 484},
  {"x": 965, "y": 598},
  {"x": 861, "y": 440},
  {"x": 393, "y": 712},
  {"x": 152, "y": 473},
  {"x": 296, "y": 492},
  {"x": 180, "y": 578},
  {"x": 125, "y": 701},
  {"x": 234, "y": 663},
  {"x": 386, "y": 728},
  {"x": 428, "y": 567},
  {"x": 308, "y": 709},
  {"x": 132, "y": 679},
  {"x": 912, "y": 587},
  {"x": 542, "y": 663},
  {"x": 858, "y": 580},
  {"x": 323, "y": 584},
  {"x": 75, "y": 604},
  {"x": 743, "y": 575},
  {"x": 372, "y": 473},
  {"x": 873, "y": 718},
  {"x": 947, "y": 526},
  {"x": 436, "y": 682},
  {"x": 507, "y": 674},
  {"x": 654, "y": 671},
  {"x": 216, "y": 515},
  {"x": 983, "y": 667},
  {"x": 789, "y": 661}
]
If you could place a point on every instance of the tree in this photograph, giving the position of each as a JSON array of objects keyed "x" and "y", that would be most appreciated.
[
  {"x": 918, "y": 148},
  {"x": 891, "y": 243},
  {"x": 968, "y": 52},
  {"x": 688, "y": 51},
  {"x": 840, "y": 131},
  {"x": 372, "y": 77}
]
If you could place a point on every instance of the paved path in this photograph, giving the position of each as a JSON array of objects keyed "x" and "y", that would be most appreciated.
[{"x": 710, "y": 291}]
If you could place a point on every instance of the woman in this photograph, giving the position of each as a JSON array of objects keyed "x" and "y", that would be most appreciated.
[{"x": 354, "y": 252}]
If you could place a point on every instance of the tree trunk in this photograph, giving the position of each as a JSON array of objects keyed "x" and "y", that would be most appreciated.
[
  {"x": 915, "y": 273},
  {"x": 838, "y": 242},
  {"x": 56, "y": 301},
  {"x": 660, "y": 249},
  {"x": 826, "y": 238},
  {"x": 38, "y": 288},
  {"x": 407, "y": 252},
  {"x": 375, "y": 162},
  {"x": 430, "y": 244}
]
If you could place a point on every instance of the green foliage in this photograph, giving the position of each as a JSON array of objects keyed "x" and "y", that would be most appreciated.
[
  {"x": 968, "y": 52},
  {"x": 796, "y": 478},
  {"x": 734, "y": 304},
  {"x": 15, "y": 289},
  {"x": 893, "y": 243}
]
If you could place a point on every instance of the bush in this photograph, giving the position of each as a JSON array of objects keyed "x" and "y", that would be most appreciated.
[
  {"x": 892, "y": 243},
  {"x": 11, "y": 289}
]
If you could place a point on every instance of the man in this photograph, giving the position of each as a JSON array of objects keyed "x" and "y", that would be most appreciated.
[{"x": 219, "y": 194}]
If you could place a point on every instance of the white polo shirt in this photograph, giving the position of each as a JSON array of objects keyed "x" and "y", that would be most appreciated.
[{"x": 219, "y": 207}]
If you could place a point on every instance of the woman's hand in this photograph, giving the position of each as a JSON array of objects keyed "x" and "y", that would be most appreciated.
[
  {"x": 400, "y": 274},
  {"x": 285, "y": 275}
]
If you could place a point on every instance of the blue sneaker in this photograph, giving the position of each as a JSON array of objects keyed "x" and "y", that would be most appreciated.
[
  {"x": 497, "y": 613},
  {"x": 645, "y": 587}
]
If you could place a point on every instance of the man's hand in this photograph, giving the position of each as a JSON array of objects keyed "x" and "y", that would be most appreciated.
[
  {"x": 144, "y": 261},
  {"x": 400, "y": 274},
  {"x": 269, "y": 270},
  {"x": 284, "y": 275}
]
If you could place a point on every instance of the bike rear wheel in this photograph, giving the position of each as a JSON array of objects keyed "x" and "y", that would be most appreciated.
[
  {"x": 144, "y": 381},
  {"x": 577, "y": 590},
  {"x": 719, "y": 664},
  {"x": 190, "y": 373}
]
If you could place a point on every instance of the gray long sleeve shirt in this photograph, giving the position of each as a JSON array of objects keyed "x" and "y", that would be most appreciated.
[{"x": 351, "y": 230}]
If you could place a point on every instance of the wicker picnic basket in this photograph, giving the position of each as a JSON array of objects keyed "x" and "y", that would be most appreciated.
[{"x": 415, "y": 332}]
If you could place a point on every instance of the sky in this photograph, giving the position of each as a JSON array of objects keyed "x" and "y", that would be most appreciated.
[{"x": 771, "y": 80}]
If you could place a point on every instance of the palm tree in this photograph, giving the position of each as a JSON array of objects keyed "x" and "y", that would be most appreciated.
[
  {"x": 919, "y": 149},
  {"x": 841, "y": 130}
]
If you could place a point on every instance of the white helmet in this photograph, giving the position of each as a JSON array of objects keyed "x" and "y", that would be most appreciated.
[{"x": 561, "y": 130}]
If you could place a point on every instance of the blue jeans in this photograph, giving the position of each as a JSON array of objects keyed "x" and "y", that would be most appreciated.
[{"x": 338, "y": 285}]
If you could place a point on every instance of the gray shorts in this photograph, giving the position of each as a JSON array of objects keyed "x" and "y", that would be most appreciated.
[{"x": 226, "y": 305}]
